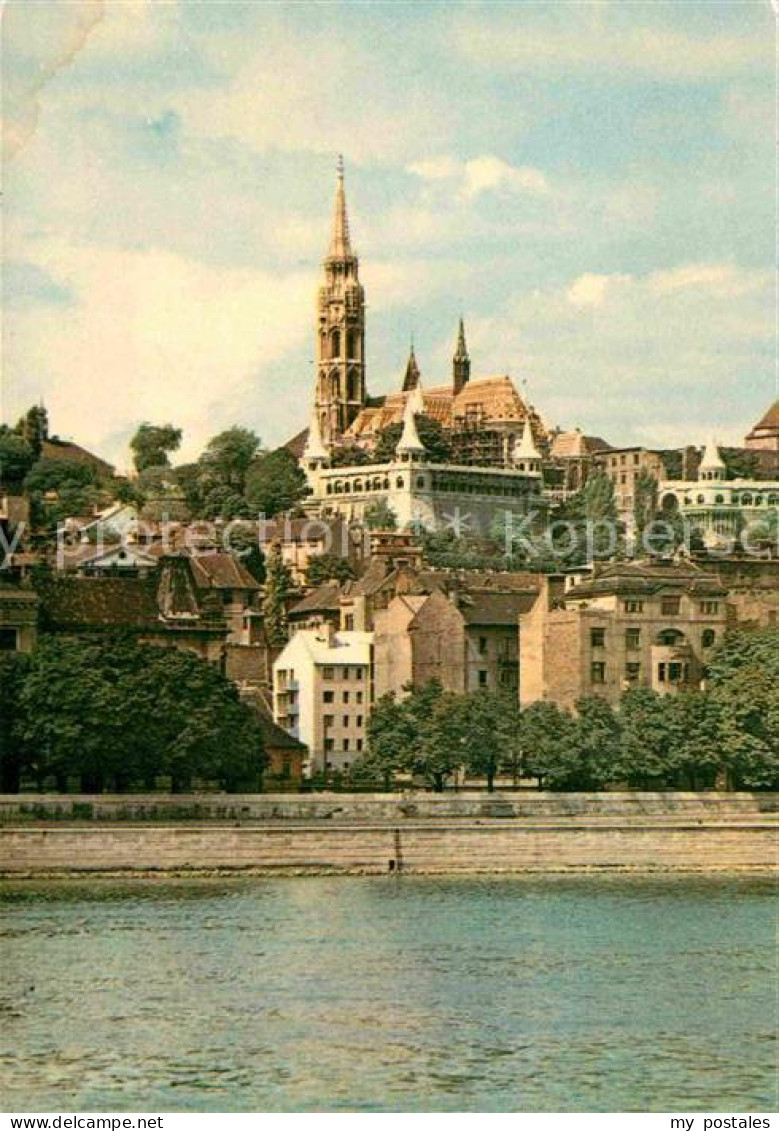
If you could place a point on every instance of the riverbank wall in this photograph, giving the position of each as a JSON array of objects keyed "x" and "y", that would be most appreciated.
[{"x": 388, "y": 833}]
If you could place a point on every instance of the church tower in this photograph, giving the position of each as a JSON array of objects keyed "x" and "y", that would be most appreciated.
[
  {"x": 340, "y": 344},
  {"x": 461, "y": 362}
]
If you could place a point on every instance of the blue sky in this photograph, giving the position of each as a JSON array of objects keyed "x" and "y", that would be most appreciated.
[{"x": 591, "y": 184}]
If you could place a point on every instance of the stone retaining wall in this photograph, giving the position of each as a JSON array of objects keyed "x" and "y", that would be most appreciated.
[
  {"x": 472, "y": 804},
  {"x": 414, "y": 847}
]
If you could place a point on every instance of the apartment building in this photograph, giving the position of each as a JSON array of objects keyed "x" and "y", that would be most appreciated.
[
  {"x": 323, "y": 692},
  {"x": 629, "y": 624}
]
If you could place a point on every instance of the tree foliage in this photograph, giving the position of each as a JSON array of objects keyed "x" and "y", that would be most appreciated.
[
  {"x": 437, "y": 444},
  {"x": 114, "y": 712},
  {"x": 328, "y": 567},
  {"x": 152, "y": 444},
  {"x": 278, "y": 588},
  {"x": 274, "y": 483}
]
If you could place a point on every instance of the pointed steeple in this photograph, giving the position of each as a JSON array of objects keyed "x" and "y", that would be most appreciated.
[
  {"x": 340, "y": 244},
  {"x": 315, "y": 450},
  {"x": 411, "y": 379},
  {"x": 461, "y": 362},
  {"x": 410, "y": 446}
]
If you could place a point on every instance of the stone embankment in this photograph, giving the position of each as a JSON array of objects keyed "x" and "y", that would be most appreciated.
[{"x": 380, "y": 833}]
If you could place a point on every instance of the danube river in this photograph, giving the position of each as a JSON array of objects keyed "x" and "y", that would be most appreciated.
[{"x": 394, "y": 993}]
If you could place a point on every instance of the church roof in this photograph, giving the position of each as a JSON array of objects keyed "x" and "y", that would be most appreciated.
[
  {"x": 490, "y": 399},
  {"x": 567, "y": 445},
  {"x": 770, "y": 420},
  {"x": 340, "y": 243}
]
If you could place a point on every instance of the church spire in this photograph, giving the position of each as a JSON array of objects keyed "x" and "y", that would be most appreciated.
[
  {"x": 340, "y": 244},
  {"x": 411, "y": 379},
  {"x": 461, "y": 362}
]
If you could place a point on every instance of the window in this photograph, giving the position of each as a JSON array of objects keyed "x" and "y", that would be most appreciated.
[
  {"x": 597, "y": 637},
  {"x": 708, "y": 637},
  {"x": 359, "y": 744},
  {"x": 328, "y": 720},
  {"x": 345, "y": 673},
  {"x": 346, "y": 744},
  {"x": 482, "y": 678},
  {"x": 346, "y": 696},
  {"x": 359, "y": 720},
  {"x": 328, "y": 673},
  {"x": 669, "y": 606},
  {"x": 329, "y": 745},
  {"x": 358, "y": 696},
  {"x": 359, "y": 673},
  {"x": 328, "y": 697},
  {"x": 675, "y": 672},
  {"x": 634, "y": 606},
  {"x": 633, "y": 639},
  {"x": 598, "y": 672},
  {"x": 709, "y": 607},
  {"x": 661, "y": 673},
  {"x": 632, "y": 671},
  {"x": 8, "y": 640},
  {"x": 349, "y": 622},
  {"x": 635, "y": 457},
  {"x": 482, "y": 644}
]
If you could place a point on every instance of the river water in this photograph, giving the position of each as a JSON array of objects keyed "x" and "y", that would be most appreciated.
[{"x": 391, "y": 993}]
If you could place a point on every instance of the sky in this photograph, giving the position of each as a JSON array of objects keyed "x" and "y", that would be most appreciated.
[{"x": 591, "y": 184}]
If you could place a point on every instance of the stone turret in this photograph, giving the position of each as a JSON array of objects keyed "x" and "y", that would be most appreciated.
[
  {"x": 410, "y": 447},
  {"x": 712, "y": 467},
  {"x": 527, "y": 457}
]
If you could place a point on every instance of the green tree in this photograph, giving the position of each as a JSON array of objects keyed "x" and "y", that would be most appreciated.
[
  {"x": 16, "y": 458},
  {"x": 54, "y": 474},
  {"x": 113, "y": 711},
  {"x": 350, "y": 455},
  {"x": 328, "y": 567},
  {"x": 644, "y": 502},
  {"x": 391, "y": 736},
  {"x": 744, "y": 679},
  {"x": 491, "y": 724},
  {"x": 33, "y": 427},
  {"x": 649, "y": 738},
  {"x": 438, "y": 750},
  {"x": 550, "y": 740},
  {"x": 152, "y": 444},
  {"x": 380, "y": 516},
  {"x": 14, "y": 754},
  {"x": 599, "y": 742},
  {"x": 228, "y": 457},
  {"x": 278, "y": 588},
  {"x": 274, "y": 483},
  {"x": 437, "y": 444}
]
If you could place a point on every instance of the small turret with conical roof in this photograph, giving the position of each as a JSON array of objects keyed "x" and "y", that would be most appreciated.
[
  {"x": 712, "y": 466},
  {"x": 410, "y": 447},
  {"x": 461, "y": 362},
  {"x": 315, "y": 454},
  {"x": 527, "y": 457}
]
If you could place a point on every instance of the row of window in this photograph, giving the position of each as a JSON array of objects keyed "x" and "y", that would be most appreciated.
[
  {"x": 633, "y": 638},
  {"x": 329, "y": 721},
  {"x": 345, "y": 746},
  {"x": 670, "y": 606},
  {"x": 329, "y": 697},
  {"x": 357, "y": 672},
  {"x": 673, "y": 672}
]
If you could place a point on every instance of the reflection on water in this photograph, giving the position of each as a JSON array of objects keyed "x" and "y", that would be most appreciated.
[{"x": 419, "y": 994}]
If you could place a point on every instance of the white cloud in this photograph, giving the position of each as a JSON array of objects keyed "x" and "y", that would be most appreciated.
[
  {"x": 661, "y": 358},
  {"x": 152, "y": 335},
  {"x": 469, "y": 179}
]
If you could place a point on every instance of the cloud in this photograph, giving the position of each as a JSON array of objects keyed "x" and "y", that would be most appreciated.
[
  {"x": 480, "y": 175},
  {"x": 153, "y": 336},
  {"x": 652, "y": 358}
]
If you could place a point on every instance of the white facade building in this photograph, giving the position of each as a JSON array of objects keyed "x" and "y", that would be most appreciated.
[
  {"x": 718, "y": 507},
  {"x": 323, "y": 692}
]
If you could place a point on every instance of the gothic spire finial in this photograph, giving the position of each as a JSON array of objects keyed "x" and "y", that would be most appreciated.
[
  {"x": 340, "y": 245},
  {"x": 461, "y": 362},
  {"x": 411, "y": 378}
]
